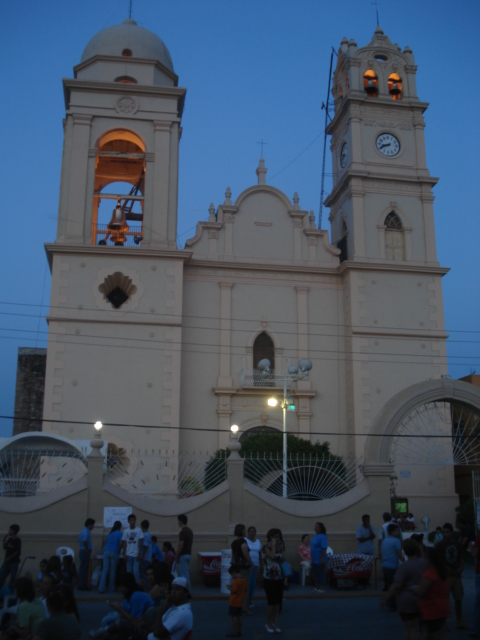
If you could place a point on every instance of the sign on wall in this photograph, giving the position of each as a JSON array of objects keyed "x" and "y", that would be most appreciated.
[{"x": 110, "y": 514}]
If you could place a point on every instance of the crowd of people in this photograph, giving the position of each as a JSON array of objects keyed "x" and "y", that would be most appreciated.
[{"x": 155, "y": 584}]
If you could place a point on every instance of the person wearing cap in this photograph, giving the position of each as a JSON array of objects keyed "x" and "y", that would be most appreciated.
[{"x": 174, "y": 617}]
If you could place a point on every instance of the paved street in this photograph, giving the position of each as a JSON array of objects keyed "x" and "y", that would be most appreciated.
[{"x": 338, "y": 615}]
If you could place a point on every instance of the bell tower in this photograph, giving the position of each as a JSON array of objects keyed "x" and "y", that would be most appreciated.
[
  {"x": 122, "y": 131},
  {"x": 117, "y": 276},
  {"x": 381, "y": 202},
  {"x": 382, "y": 221}
]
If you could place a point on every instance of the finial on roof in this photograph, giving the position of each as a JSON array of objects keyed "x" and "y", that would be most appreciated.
[
  {"x": 311, "y": 219},
  {"x": 228, "y": 196},
  {"x": 378, "y": 31},
  {"x": 296, "y": 200},
  {"x": 211, "y": 211},
  {"x": 344, "y": 41},
  {"x": 261, "y": 172}
]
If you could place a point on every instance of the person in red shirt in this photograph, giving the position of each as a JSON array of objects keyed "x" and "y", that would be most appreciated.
[
  {"x": 475, "y": 549},
  {"x": 434, "y": 593},
  {"x": 238, "y": 589}
]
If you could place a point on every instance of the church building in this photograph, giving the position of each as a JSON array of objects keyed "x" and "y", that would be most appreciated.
[{"x": 167, "y": 346}]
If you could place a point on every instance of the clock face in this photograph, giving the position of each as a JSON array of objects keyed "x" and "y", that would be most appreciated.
[
  {"x": 387, "y": 144},
  {"x": 343, "y": 156}
]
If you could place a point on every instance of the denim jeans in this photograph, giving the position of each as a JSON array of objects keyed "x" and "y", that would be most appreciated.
[
  {"x": 318, "y": 573},
  {"x": 110, "y": 560},
  {"x": 83, "y": 569},
  {"x": 252, "y": 581},
  {"x": 183, "y": 569},
  {"x": 476, "y": 611},
  {"x": 133, "y": 566},
  {"x": 9, "y": 569}
]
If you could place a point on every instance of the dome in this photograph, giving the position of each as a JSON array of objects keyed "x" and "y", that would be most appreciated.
[{"x": 142, "y": 43}]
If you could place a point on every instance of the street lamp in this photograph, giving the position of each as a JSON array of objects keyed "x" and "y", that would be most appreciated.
[
  {"x": 294, "y": 373},
  {"x": 98, "y": 427}
]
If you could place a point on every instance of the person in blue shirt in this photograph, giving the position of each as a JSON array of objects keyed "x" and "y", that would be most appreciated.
[
  {"x": 365, "y": 536},
  {"x": 156, "y": 551},
  {"x": 129, "y": 614},
  {"x": 85, "y": 553},
  {"x": 111, "y": 553},
  {"x": 318, "y": 550},
  {"x": 392, "y": 554},
  {"x": 146, "y": 552}
]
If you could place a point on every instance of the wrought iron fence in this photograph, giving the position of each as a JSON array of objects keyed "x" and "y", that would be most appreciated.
[
  {"x": 308, "y": 477},
  {"x": 28, "y": 472},
  {"x": 180, "y": 475}
]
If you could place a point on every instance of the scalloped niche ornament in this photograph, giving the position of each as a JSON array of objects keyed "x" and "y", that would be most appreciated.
[{"x": 117, "y": 290}]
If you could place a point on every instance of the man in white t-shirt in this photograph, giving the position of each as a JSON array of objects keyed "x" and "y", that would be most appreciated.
[
  {"x": 132, "y": 546},
  {"x": 174, "y": 617}
]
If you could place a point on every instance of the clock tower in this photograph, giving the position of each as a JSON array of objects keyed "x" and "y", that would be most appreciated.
[
  {"x": 381, "y": 202},
  {"x": 382, "y": 222}
]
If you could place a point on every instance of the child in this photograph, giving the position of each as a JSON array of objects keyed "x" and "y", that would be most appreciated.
[
  {"x": 42, "y": 572},
  {"x": 438, "y": 535},
  {"x": 392, "y": 554},
  {"x": 237, "y": 589},
  {"x": 146, "y": 553},
  {"x": 168, "y": 554},
  {"x": 156, "y": 551},
  {"x": 69, "y": 571}
]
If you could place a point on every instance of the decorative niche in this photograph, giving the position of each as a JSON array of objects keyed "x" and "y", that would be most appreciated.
[{"x": 117, "y": 290}]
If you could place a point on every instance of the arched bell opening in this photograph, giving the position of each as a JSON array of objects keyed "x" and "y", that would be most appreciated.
[
  {"x": 370, "y": 83},
  {"x": 119, "y": 190},
  {"x": 395, "y": 86}
]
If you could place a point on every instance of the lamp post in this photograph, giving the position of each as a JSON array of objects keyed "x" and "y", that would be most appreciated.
[{"x": 294, "y": 373}]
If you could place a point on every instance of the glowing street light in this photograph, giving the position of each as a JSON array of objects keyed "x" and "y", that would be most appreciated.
[{"x": 294, "y": 373}]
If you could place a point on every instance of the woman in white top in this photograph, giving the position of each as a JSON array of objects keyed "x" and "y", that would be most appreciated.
[{"x": 254, "y": 547}]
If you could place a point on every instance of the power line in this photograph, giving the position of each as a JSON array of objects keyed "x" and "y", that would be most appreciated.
[
  {"x": 215, "y": 318},
  {"x": 215, "y": 349},
  {"x": 216, "y": 430}
]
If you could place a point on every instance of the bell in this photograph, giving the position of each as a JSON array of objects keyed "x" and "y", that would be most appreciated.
[
  {"x": 117, "y": 226},
  {"x": 371, "y": 89},
  {"x": 118, "y": 218},
  {"x": 394, "y": 90}
]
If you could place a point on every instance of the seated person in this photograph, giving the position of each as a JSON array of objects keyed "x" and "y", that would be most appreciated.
[
  {"x": 305, "y": 553},
  {"x": 69, "y": 571},
  {"x": 129, "y": 614},
  {"x": 30, "y": 611},
  {"x": 174, "y": 617},
  {"x": 60, "y": 625}
]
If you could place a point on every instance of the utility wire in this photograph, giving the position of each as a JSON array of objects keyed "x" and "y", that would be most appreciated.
[{"x": 216, "y": 430}]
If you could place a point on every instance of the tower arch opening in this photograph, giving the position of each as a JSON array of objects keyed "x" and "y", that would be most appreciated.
[
  {"x": 370, "y": 83},
  {"x": 395, "y": 86},
  {"x": 119, "y": 181}
]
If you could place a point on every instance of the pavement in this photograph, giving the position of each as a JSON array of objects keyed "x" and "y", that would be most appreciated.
[{"x": 337, "y": 615}]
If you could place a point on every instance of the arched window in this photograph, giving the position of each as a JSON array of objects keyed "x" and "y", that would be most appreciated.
[
  {"x": 342, "y": 244},
  {"x": 263, "y": 347},
  {"x": 119, "y": 187},
  {"x": 394, "y": 238},
  {"x": 395, "y": 86},
  {"x": 370, "y": 83}
]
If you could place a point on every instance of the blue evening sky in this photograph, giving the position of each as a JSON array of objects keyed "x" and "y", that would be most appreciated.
[{"x": 253, "y": 69}]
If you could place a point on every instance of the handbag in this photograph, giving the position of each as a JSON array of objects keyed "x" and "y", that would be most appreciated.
[{"x": 286, "y": 569}]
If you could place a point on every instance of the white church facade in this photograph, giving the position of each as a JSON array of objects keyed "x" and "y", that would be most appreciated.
[{"x": 162, "y": 344}]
